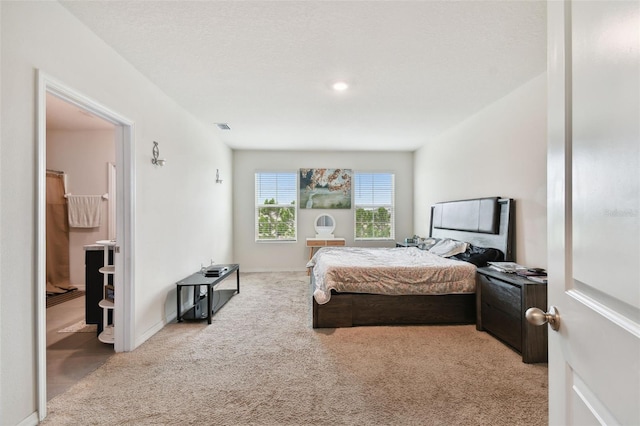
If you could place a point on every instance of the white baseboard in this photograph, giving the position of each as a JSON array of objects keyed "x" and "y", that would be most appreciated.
[
  {"x": 149, "y": 333},
  {"x": 32, "y": 420}
]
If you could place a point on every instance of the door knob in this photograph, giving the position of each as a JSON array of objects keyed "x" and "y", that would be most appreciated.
[{"x": 537, "y": 316}]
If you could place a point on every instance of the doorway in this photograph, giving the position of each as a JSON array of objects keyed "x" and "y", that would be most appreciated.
[
  {"x": 124, "y": 214},
  {"x": 80, "y": 151}
]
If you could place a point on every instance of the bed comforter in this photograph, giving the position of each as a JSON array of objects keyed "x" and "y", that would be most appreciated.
[{"x": 390, "y": 271}]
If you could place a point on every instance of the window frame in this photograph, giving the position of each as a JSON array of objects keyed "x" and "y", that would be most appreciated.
[
  {"x": 258, "y": 206},
  {"x": 374, "y": 206}
]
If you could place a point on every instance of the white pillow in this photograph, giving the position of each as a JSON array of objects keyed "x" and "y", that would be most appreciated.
[
  {"x": 427, "y": 243},
  {"x": 448, "y": 247}
]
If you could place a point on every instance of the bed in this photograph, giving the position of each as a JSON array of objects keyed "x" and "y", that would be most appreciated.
[{"x": 354, "y": 286}]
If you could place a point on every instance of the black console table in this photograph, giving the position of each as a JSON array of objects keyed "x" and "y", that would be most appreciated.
[{"x": 222, "y": 296}]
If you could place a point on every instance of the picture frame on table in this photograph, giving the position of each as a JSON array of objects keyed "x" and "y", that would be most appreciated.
[{"x": 109, "y": 293}]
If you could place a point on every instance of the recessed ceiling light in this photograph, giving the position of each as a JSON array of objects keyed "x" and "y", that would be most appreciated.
[
  {"x": 223, "y": 126},
  {"x": 340, "y": 86}
]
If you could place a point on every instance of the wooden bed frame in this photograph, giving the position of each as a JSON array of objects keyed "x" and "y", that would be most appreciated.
[{"x": 362, "y": 309}]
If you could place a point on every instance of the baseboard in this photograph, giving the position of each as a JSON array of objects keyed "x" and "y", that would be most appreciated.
[
  {"x": 149, "y": 333},
  {"x": 32, "y": 420}
]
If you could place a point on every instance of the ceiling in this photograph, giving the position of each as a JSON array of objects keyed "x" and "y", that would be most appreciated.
[
  {"x": 415, "y": 68},
  {"x": 62, "y": 115}
]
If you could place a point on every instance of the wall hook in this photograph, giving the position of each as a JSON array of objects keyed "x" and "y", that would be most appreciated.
[{"x": 156, "y": 152}]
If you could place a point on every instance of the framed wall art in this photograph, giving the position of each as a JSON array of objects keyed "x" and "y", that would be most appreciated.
[{"x": 325, "y": 188}]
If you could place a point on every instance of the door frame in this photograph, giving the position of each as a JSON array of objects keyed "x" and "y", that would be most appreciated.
[{"x": 125, "y": 220}]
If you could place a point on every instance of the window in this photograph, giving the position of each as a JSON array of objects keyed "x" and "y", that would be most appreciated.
[
  {"x": 276, "y": 194},
  {"x": 374, "y": 206}
]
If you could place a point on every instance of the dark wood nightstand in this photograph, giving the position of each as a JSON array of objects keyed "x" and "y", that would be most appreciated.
[
  {"x": 501, "y": 301},
  {"x": 403, "y": 244}
]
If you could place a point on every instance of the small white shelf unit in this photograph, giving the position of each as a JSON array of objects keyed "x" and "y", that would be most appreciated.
[{"x": 107, "y": 335}]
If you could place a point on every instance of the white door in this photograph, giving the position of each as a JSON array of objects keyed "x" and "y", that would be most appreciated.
[{"x": 593, "y": 211}]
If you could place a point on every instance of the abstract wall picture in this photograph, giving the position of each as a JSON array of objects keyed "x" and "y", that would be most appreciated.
[{"x": 325, "y": 188}]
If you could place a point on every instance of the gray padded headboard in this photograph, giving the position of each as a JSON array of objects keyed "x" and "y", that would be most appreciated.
[
  {"x": 469, "y": 220},
  {"x": 477, "y": 215}
]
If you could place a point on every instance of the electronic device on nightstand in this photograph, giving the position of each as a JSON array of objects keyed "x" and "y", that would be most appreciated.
[{"x": 409, "y": 242}]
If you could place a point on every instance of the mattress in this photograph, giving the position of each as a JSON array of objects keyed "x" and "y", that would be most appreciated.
[{"x": 389, "y": 271}]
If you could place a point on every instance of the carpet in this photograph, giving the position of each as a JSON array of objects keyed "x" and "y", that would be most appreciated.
[
  {"x": 261, "y": 363},
  {"x": 56, "y": 299},
  {"x": 80, "y": 327}
]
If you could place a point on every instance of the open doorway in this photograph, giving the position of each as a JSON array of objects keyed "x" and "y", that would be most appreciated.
[
  {"x": 80, "y": 192},
  {"x": 117, "y": 170}
]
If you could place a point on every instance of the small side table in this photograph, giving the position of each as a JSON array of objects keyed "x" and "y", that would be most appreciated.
[
  {"x": 314, "y": 243},
  {"x": 198, "y": 279},
  {"x": 403, "y": 244}
]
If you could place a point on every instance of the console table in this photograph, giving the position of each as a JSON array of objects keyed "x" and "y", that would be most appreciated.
[
  {"x": 198, "y": 310},
  {"x": 313, "y": 243},
  {"x": 324, "y": 242}
]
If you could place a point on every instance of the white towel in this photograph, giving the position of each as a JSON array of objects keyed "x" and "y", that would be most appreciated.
[{"x": 84, "y": 210}]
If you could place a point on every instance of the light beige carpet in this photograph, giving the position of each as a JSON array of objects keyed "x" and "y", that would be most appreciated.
[{"x": 261, "y": 363}]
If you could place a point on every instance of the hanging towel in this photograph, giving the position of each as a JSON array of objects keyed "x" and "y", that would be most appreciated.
[{"x": 84, "y": 210}]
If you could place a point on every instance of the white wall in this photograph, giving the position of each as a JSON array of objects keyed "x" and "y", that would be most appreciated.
[
  {"x": 288, "y": 256},
  {"x": 500, "y": 151},
  {"x": 84, "y": 156},
  {"x": 181, "y": 217}
]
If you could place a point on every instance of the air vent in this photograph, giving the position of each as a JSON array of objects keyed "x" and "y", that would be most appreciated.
[{"x": 223, "y": 126}]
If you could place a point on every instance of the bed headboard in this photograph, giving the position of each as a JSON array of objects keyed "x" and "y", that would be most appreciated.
[{"x": 483, "y": 222}]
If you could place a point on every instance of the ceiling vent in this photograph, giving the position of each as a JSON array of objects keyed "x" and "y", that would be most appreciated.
[{"x": 223, "y": 126}]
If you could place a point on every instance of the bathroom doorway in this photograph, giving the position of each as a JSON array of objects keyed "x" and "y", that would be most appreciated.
[
  {"x": 80, "y": 193},
  {"x": 122, "y": 163}
]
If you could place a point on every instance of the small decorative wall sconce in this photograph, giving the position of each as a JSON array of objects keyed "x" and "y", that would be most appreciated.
[
  {"x": 218, "y": 180},
  {"x": 156, "y": 152}
]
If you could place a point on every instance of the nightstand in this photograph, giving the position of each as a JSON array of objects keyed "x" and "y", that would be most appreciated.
[
  {"x": 501, "y": 301},
  {"x": 403, "y": 244}
]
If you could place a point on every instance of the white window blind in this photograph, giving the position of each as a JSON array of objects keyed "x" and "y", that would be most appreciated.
[
  {"x": 374, "y": 195},
  {"x": 276, "y": 195}
]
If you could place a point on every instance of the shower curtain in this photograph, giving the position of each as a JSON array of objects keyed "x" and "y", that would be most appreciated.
[{"x": 57, "y": 236}]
